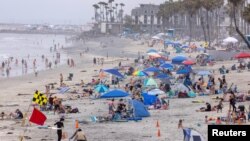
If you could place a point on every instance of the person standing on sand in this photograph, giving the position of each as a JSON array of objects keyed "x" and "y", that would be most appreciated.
[
  {"x": 59, "y": 125},
  {"x": 94, "y": 61},
  {"x": 61, "y": 79}
]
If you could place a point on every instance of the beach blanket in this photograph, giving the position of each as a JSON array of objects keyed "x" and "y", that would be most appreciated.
[{"x": 63, "y": 90}]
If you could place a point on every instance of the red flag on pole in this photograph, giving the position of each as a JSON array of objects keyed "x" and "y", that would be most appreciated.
[{"x": 37, "y": 117}]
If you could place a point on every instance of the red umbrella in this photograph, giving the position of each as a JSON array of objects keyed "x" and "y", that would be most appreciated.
[
  {"x": 188, "y": 62},
  {"x": 242, "y": 55}
]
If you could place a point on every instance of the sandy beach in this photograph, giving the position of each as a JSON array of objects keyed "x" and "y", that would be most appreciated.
[{"x": 113, "y": 50}]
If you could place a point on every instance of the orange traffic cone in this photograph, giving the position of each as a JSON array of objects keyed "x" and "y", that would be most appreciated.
[
  {"x": 77, "y": 124},
  {"x": 157, "y": 124},
  {"x": 158, "y": 133}
]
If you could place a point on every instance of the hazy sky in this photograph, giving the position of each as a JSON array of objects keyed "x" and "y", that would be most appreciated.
[{"x": 56, "y": 11}]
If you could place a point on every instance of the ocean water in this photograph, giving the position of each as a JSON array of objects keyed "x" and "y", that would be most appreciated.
[{"x": 17, "y": 47}]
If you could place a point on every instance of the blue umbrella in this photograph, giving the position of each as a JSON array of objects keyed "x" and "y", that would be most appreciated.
[
  {"x": 114, "y": 72},
  {"x": 115, "y": 94},
  {"x": 184, "y": 46},
  {"x": 179, "y": 59},
  {"x": 167, "y": 66},
  {"x": 162, "y": 76},
  {"x": 152, "y": 69},
  {"x": 101, "y": 88},
  {"x": 204, "y": 72},
  {"x": 183, "y": 71},
  {"x": 152, "y": 51}
]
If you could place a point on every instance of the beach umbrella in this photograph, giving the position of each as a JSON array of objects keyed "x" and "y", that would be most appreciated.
[
  {"x": 167, "y": 66},
  {"x": 154, "y": 54},
  {"x": 188, "y": 62},
  {"x": 156, "y": 38},
  {"x": 183, "y": 71},
  {"x": 140, "y": 73},
  {"x": 242, "y": 55},
  {"x": 114, "y": 72},
  {"x": 179, "y": 59},
  {"x": 162, "y": 76},
  {"x": 101, "y": 88},
  {"x": 184, "y": 46},
  {"x": 230, "y": 40},
  {"x": 150, "y": 82},
  {"x": 155, "y": 92},
  {"x": 204, "y": 72},
  {"x": 151, "y": 69},
  {"x": 152, "y": 51},
  {"x": 114, "y": 94}
]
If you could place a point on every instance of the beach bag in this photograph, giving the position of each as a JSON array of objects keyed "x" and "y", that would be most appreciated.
[{"x": 75, "y": 110}]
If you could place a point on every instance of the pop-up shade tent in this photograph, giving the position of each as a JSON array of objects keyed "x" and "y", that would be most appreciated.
[
  {"x": 192, "y": 135},
  {"x": 114, "y": 94},
  {"x": 139, "y": 109}
]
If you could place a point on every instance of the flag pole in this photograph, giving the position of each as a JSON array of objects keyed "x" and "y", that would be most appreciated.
[{"x": 24, "y": 120}]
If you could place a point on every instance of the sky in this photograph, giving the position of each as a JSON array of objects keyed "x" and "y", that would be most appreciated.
[{"x": 56, "y": 11}]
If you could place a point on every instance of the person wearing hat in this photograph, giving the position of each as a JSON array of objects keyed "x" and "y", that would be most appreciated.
[
  {"x": 79, "y": 135},
  {"x": 59, "y": 125}
]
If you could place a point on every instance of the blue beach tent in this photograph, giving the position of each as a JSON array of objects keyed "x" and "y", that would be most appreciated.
[
  {"x": 114, "y": 94},
  {"x": 139, "y": 109}
]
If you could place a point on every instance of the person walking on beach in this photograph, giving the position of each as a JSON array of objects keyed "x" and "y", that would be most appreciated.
[
  {"x": 59, "y": 125},
  {"x": 79, "y": 135},
  {"x": 7, "y": 72},
  {"x": 94, "y": 61}
]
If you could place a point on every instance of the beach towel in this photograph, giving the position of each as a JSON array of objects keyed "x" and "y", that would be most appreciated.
[{"x": 63, "y": 90}]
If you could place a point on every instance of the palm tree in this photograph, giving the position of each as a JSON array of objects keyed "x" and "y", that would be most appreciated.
[
  {"x": 121, "y": 16},
  {"x": 192, "y": 6},
  {"x": 116, "y": 12},
  {"x": 235, "y": 6},
  {"x": 111, "y": 10},
  {"x": 96, "y": 7},
  {"x": 102, "y": 5}
]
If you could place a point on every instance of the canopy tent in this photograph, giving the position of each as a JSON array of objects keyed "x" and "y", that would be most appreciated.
[
  {"x": 151, "y": 69},
  {"x": 114, "y": 94},
  {"x": 179, "y": 59},
  {"x": 156, "y": 92},
  {"x": 242, "y": 55},
  {"x": 139, "y": 109},
  {"x": 167, "y": 66},
  {"x": 114, "y": 72},
  {"x": 101, "y": 88},
  {"x": 192, "y": 135},
  {"x": 150, "y": 82},
  {"x": 230, "y": 40}
]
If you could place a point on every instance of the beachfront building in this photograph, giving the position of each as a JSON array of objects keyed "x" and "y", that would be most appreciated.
[{"x": 146, "y": 17}]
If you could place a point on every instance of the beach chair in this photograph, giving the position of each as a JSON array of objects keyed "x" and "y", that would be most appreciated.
[{"x": 94, "y": 119}]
